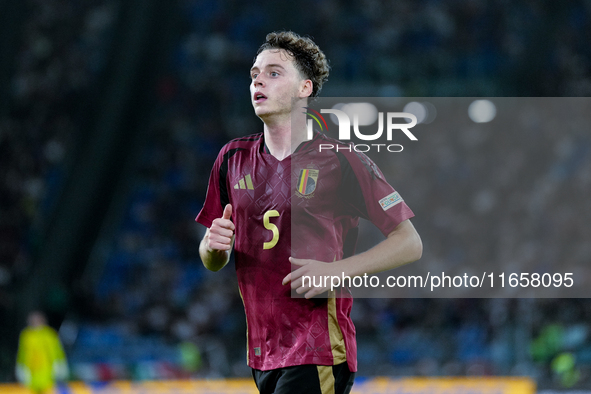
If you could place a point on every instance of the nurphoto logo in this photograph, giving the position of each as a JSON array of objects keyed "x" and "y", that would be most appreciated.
[{"x": 344, "y": 123}]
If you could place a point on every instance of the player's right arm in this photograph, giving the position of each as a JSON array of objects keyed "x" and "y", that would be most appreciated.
[{"x": 216, "y": 245}]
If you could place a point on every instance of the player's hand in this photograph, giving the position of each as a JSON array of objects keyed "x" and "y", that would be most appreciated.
[
  {"x": 221, "y": 232},
  {"x": 311, "y": 268}
]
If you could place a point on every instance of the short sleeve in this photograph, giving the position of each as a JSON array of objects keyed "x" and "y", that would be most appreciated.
[
  {"x": 213, "y": 205},
  {"x": 369, "y": 195}
]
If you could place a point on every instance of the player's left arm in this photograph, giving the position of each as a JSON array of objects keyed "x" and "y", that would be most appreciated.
[{"x": 402, "y": 246}]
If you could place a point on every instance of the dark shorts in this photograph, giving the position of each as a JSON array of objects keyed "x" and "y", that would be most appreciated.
[{"x": 305, "y": 379}]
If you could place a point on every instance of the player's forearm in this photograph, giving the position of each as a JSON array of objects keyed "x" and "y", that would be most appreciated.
[
  {"x": 213, "y": 259},
  {"x": 402, "y": 246}
]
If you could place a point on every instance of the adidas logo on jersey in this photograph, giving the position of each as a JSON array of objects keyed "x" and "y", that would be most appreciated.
[{"x": 244, "y": 183}]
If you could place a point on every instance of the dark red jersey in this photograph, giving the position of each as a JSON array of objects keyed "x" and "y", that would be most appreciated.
[{"x": 306, "y": 206}]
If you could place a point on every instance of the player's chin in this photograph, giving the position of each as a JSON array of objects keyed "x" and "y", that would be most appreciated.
[{"x": 261, "y": 112}]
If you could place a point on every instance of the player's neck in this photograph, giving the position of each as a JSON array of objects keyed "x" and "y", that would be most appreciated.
[{"x": 283, "y": 138}]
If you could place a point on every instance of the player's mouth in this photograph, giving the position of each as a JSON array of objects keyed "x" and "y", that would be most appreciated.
[{"x": 258, "y": 97}]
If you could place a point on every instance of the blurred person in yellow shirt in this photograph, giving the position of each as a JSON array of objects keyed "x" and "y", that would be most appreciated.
[{"x": 41, "y": 360}]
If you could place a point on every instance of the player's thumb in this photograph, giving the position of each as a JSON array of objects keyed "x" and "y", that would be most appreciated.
[{"x": 227, "y": 212}]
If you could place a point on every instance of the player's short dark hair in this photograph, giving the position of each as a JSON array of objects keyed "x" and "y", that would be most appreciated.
[{"x": 308, "y": 57}]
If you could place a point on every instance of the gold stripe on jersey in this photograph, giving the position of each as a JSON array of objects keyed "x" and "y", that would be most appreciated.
[
  {"x": 249, "y": 184},
  {"x": 326, "y": 379},
  {"x": 242, "y": 298},
  {"x": 337, "y": 342}
]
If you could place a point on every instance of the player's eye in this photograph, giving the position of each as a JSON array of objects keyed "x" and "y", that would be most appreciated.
[
  {"x": 254, "y": 76},
  {"x": 274, "y": 73}
]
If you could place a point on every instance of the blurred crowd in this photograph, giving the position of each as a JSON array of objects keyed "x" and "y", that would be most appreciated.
[
  {"x": 61, "y": 51},
  {"x": 156, "y": 312}
]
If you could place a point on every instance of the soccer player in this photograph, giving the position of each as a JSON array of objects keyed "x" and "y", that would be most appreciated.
[
  {"x": 40, "y": 359},
  {"x": 280, "y": 202}
]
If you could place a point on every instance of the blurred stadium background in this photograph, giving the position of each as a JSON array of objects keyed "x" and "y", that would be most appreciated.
[{"x": 112, "y": 113}]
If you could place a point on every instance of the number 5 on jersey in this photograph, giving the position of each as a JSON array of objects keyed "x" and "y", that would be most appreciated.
[{"x": 273, "y": 228}]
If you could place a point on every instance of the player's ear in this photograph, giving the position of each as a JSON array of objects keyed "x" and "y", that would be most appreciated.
[{"x": 306, "y": 88}]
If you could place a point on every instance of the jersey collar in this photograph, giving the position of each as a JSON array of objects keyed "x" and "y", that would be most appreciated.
[{"x": 303, "y": 145}]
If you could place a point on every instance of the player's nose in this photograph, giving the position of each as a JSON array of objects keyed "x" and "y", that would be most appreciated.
[{"x": 258, "y": 81}]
